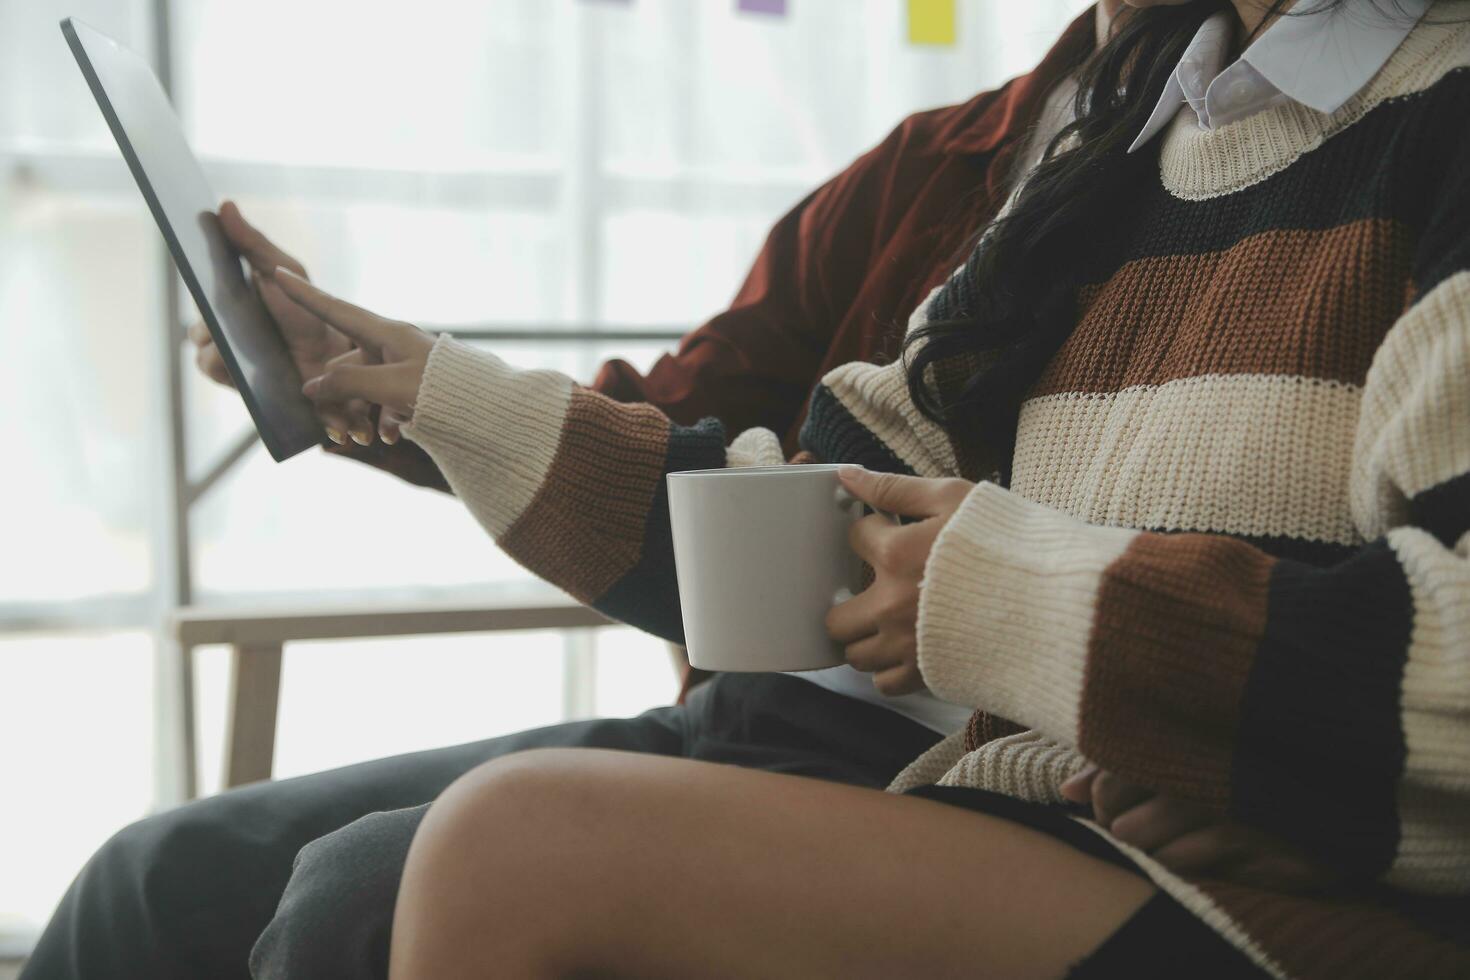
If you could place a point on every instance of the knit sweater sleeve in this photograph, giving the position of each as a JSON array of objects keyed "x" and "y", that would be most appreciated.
[
  {"x": 1328, "y": 705},
  {"x": 569, "y": 482}
]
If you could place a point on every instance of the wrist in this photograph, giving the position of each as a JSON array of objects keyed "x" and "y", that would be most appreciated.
[{"x": 488, "y": 425}]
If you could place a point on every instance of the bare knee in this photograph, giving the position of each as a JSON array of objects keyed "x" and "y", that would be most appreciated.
[
  {"x": 505, "y": 810},
  {"x": 534, "y": 770},
  {"x": 517, "y": 804},
  {"x": 492, "y": 864}
]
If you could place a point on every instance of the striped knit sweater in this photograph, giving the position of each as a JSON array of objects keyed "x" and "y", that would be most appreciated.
[{"x": 1233, "y": 559}]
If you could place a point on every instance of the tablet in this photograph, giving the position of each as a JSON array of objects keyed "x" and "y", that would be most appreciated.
[{"x": 152, "y": 141}]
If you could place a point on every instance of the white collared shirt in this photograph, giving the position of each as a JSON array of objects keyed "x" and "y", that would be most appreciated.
[{"x": 1319, "y": 58}]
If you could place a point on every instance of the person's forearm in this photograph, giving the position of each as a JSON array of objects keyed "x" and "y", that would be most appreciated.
[{"x": 569, "y": 482}]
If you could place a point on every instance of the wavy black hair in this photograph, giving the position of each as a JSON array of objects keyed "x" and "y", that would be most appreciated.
[{"x": 1023, "y": 275}]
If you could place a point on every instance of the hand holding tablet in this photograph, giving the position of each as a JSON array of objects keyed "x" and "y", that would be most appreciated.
[
  {"x": 311, "y": 343},
  {"x": 388, "y": 364},
  {"x": 148, "y": 133}
]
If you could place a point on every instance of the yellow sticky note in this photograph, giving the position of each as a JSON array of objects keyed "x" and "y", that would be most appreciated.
[{"x": 931, "y": 21}]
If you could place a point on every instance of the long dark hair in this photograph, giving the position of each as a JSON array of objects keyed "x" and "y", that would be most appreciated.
[{"x": 1015, "y": 304}]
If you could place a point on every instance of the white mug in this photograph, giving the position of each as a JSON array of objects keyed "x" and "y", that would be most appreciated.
[{"x": 762, "y": 554}]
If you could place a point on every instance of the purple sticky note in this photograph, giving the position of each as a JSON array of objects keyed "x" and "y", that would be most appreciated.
[{"x": 776, "y": 7}]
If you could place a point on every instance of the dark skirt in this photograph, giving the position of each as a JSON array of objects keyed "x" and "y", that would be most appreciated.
[{"x": 1162, "y": 939}]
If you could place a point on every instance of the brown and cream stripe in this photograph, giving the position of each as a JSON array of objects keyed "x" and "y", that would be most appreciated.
[{"x": 1233, "y": 559}]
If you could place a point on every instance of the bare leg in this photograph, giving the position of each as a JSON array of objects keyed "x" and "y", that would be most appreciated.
[{"x": 582, "y": 862}]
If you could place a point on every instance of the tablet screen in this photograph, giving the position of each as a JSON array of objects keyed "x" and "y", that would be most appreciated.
[{"x": 152, "y": 141}]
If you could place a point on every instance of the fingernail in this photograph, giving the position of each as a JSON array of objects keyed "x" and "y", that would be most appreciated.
[
  {"x": 362, "y": 437},
  {"x": 311, "y": 387},
  {"x": 281, "y": 270},
  {"x": 389, "y": 438},
  {"x": 848, "y": 471},
  {"x": 336, "y": 436}
]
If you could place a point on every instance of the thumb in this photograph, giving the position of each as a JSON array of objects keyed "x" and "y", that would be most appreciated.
[{"x": 906, "y": 496}]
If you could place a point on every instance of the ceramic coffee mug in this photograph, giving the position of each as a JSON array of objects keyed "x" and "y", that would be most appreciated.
[{"x": 762, "y": 554}]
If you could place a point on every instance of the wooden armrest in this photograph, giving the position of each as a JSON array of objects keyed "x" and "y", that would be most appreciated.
[
  {"x": 256, "y": 635},
  {"x": 253, "y": 626}
]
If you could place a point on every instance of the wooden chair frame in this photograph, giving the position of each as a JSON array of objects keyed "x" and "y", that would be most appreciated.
[{"x": 257, "y": 640}]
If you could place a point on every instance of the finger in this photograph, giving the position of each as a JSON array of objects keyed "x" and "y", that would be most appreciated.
[
  {"x": 354, "y": 356},
  {"x": 870, "y": 655},
  {"x": 853, "y": 620},
  {"x": 390, "y": 426},
  {"x": 870, "y": 538},
  {"x": 198, "y": 334},
  {"x": 1154, "y": 823},
  {"x": 381, "y": 384},
  {"x": 357, "y": 413},
  {"x": 1111, "y": 795},
  {"x": 348, "y": 381},
  {"x": 334, "y": 424},
  {"x": 357, "y": 355},
  {"x": 367, "y": 329},
  {"x": 1234, "y": 852},
  {"x": 280, "y": 306},
  {"x": 262, "y": 253},
  {"x": 361, "y": 426},
  {"x": 1282, "y": 873},
  {"x": 907, "y": 496},
  {"x": 1207, "y": 849},
  {"x": 333, "y": 416},
  {"x": 1078, "y": 787},
  {"x": 899, "y": 680}
]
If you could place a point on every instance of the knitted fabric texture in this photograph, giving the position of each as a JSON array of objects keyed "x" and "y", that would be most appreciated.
[{"x": 1233, "y": 559}]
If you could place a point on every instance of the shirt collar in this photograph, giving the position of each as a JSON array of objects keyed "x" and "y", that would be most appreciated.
[{"x": 1318, "y": 58}]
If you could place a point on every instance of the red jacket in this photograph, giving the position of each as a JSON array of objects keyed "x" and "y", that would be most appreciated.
[{"x": 840, "y": 273}]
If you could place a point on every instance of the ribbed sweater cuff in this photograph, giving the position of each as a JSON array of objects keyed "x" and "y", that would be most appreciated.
[
  {"x": 1007, "y": 606},
  {"x": 492, "y": 429}
]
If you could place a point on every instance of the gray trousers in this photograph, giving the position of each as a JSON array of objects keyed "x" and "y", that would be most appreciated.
[{"x": 298, "y": 878}]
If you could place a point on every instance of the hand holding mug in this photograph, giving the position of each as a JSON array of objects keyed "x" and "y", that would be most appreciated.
[{"x": 879, "y": 627}]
